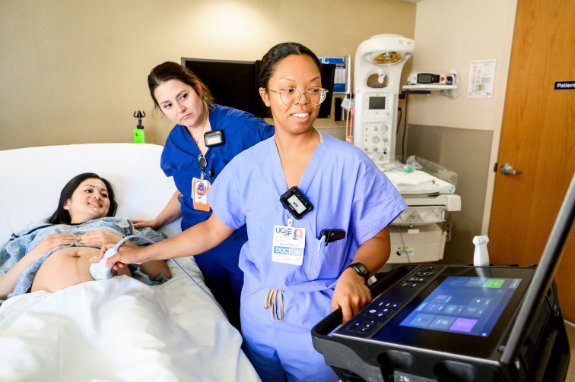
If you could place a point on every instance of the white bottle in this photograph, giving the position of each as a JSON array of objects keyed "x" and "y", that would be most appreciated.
[{"x": 481, "y": 256}]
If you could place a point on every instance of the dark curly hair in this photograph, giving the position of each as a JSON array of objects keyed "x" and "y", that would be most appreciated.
[{"x": 279, "y": 52}]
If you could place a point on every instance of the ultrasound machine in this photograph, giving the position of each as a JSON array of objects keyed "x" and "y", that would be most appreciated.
[{"x": 457, "y": 322}]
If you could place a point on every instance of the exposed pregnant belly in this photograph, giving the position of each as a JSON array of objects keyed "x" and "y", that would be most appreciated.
[{"x": 64, "y": 268}]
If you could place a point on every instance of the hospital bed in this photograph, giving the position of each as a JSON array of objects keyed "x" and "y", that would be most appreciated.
[{"x": 118, "y": 329}]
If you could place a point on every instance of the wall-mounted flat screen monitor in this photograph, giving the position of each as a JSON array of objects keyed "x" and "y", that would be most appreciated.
[{"x": 235, "y": 84}]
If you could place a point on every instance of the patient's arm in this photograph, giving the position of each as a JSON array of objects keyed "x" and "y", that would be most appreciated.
[
  {"x": 49, "y": 243},
  {"x": 155, "y": 268},
  {"x": 171, "y": 212}
]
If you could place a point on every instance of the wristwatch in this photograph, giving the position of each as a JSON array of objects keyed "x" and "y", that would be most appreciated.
[{"x": 360, "y": 269}]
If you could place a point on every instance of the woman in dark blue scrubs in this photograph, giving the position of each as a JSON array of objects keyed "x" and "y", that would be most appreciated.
[{"x": 205, "y": 138}]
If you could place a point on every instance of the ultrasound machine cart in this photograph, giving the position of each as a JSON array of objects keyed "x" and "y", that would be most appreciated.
[{"x": 457, "y": 323}]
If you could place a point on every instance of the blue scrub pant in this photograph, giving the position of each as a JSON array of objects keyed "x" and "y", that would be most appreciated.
[
  {"x": 225, "y": 280},
  {"x": 283, "y": 350}
]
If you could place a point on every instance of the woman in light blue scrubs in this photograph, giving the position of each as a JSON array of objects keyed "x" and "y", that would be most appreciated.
[
  {"x": 205, "y": 138},
  {"x": 339, "y": 202}
]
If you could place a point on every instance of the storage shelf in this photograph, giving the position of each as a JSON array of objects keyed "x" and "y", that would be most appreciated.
[
  {"x": 451, "y": 91},
  {"x": 430, "y": 87}
]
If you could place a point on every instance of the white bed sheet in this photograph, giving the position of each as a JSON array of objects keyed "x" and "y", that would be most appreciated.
[
  {"x": 120, "y": 330},
  {"x": 117, "y": 329}
]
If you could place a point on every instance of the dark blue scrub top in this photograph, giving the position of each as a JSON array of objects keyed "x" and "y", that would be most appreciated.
[{"x": 180, "y": 160}]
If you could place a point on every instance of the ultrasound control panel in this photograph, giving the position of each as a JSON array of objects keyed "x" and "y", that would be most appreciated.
[
  {"x": 384, "y": 306},
  {"x": 444, "y": 308},
  {"x": 444, "y": 322}
]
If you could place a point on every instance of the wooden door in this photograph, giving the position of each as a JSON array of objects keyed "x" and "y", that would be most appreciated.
[{"x": 538, "y": 139}]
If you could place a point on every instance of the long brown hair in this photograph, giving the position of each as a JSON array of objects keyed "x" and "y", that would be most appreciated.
[{"x": 174, "y": 71}]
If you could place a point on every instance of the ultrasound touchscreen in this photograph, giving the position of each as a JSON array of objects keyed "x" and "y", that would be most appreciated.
[{"x": 465, "y": 305}]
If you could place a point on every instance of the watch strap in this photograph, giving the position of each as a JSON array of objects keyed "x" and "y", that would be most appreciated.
[{"x": 360, "y": 269}]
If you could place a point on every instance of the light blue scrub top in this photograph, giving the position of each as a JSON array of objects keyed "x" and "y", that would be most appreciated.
[{"x": 346, "y": 189}]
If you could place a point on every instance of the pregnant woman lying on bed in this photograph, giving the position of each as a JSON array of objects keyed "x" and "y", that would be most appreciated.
[{"x": 58, "y": 254}]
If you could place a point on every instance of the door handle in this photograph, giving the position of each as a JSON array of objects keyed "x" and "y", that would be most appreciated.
[{"x": 506, "y": 169}]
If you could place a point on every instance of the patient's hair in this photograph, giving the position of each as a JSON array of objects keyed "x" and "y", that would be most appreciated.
[
  {"x": 174, "y": 71},
  {"x": 279, "y": 52},
  {"x": 61, "y": 215}
]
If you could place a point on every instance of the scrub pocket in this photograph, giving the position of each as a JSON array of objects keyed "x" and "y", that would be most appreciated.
[{"x": 324, "y": 261}]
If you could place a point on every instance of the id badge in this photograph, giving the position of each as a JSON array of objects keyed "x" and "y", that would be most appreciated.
[
  {"x": 288, "y": 245},
  {"x": 200, "y": 188}
]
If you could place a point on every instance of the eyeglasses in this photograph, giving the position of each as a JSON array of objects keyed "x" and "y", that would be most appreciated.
[{"x": 289, "y": 96}]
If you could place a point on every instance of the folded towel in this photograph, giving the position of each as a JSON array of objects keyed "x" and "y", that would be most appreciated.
[{"x": 418, "y": 182}]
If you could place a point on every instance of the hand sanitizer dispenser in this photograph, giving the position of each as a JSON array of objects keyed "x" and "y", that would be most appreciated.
[{"x": 139, "y": 130}]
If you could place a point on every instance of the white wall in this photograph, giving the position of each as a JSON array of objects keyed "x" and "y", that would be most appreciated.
[
  {"x": 451, "y": 34},
  {"x": 75, "y": 71}
]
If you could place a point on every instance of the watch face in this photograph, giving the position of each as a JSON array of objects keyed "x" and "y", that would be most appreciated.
[{"x": 361, "y": 270}]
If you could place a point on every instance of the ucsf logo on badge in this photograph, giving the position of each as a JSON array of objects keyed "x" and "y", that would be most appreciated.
[{"x": 283, "y": 230}]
